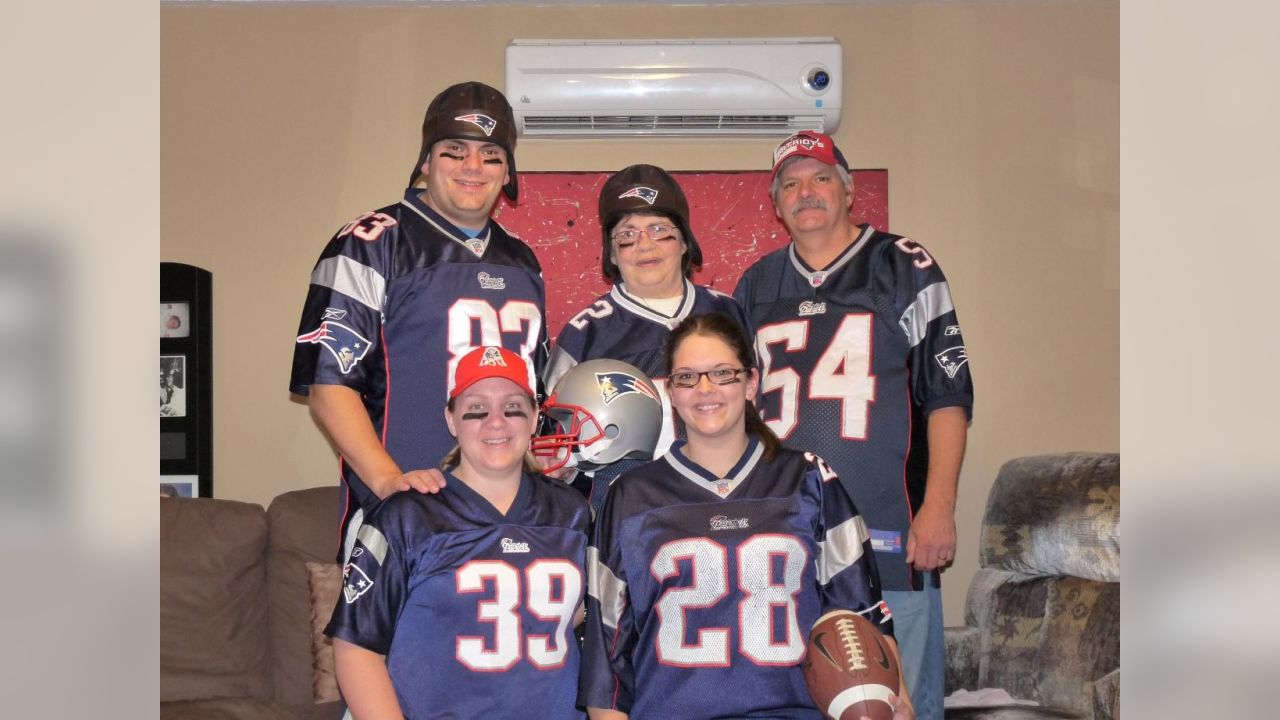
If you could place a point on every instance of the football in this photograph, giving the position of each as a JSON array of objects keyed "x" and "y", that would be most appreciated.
[{"x": 849, "y": 668}]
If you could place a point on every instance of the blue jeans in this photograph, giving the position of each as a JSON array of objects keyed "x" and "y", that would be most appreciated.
[{"x": 917, "y": 626}]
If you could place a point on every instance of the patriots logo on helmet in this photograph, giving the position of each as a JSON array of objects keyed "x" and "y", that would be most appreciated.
[
  {"x": 614, "y": 385},
  {"x": 346, "y": 345},
  {"x": 484, "y": 122},
  {"x": 952, "y": 359},
  {"x": 647, "y": 194},
  {"x": 492, "y": 356}
]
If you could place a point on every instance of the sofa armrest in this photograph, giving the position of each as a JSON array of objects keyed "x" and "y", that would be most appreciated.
[
  {"x": 962, "y": 657},
  {"x": 1106, "y": 696}
]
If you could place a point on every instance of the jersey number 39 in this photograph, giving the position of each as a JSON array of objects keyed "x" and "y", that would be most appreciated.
[{"x": 550, "y": 591}]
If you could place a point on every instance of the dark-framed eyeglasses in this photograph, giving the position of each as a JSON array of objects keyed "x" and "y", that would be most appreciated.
[
  {"x": 718, "y": 376},
  {"x": 657, "y": 232}
]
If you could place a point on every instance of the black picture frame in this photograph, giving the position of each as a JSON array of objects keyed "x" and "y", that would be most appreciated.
[{"x": 186, "y": 377}]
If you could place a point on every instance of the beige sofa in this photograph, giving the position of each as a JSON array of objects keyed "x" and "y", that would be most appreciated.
[
  {"x": 237, "y": 626},
  {"x": 1042, "y": 616}
]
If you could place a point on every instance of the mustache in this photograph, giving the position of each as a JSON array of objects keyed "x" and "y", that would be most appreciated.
[{"x": 808, "y": 203}]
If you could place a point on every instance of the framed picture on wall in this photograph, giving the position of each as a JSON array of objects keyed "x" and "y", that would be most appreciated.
[
  {"x": 175, "y": 320},
  {"x": 179, "y": 486},
  {"x": 173, "y": 386}
]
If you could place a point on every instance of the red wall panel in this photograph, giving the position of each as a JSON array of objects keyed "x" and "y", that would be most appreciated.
[{"x": 731, "y": 214}]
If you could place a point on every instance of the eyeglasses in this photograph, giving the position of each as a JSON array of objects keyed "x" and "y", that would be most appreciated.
[
  {"x": 719, "y": 376},
  {"x": 658, "y": 232}
]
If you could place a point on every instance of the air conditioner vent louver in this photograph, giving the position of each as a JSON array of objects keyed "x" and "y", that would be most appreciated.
[
  {"x": 726, "y": 87},
  {"x": 641, "y": 124}
]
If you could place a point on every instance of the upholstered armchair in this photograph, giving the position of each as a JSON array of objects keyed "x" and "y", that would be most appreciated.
[{"x": 1042, "y": 616}]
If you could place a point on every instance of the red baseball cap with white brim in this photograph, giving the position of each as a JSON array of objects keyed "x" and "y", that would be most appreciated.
[
  {"x": 808, "y": 143},
  {"x": 490, "y": 362}
]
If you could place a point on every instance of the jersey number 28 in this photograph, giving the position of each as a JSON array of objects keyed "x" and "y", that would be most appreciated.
[{"x": 761, "y": 592}]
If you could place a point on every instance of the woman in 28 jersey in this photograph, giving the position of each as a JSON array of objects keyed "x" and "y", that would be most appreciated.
[
  {"x": 462, "y": 604},
  {"x": 709, "y": 565}
]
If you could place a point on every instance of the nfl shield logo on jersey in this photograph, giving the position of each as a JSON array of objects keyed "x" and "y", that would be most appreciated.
[
  {"x": 646, "y": 194},
  {"x": 952, "y": 359},
  {"x": 484, "y": 122}
]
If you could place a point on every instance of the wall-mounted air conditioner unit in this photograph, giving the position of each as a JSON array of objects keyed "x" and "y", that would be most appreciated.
[{"x": 725, "y": 87}]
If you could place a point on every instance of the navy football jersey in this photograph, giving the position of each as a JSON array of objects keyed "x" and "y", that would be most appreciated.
[
  {"x": 472, "y": 609},
  {"x": 702, "y": 590},
  {"x": 854, "y": 356},
  {"x": 619, "y": 326},
  {"x": 397, "y": 297}
]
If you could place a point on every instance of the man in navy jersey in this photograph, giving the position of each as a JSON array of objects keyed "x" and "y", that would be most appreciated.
[
  {"x": 401, "y": 293},
  {"x": 865, "y": 365}
]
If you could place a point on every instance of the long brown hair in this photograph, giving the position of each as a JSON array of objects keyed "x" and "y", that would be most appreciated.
[{"x": 728, "y": 331}]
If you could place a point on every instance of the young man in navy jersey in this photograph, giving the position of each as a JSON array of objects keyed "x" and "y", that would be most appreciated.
[
  {"x": 864, "y": 364},
  {"x": 400, "y": 294}
]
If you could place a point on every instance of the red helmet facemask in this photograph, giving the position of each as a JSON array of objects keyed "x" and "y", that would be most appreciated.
[{"x": 557, "y": 449}]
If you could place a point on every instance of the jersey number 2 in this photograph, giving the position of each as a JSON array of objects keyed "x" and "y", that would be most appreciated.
[
  {"x": 503, "y": 611},
  {"x": 843, "y": 372}
]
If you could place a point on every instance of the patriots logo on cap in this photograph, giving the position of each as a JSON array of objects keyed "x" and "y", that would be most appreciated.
[
  {"x": 346, "y": 345},
  {"x": 484, "y": 122},
  {"x": 794, "y": 144},
  {"x": 614, "y": 385},
  {"x": 646, "y": 194},
  {"x": 492, "y": 357},
  {"x": 952, "y": 359}
]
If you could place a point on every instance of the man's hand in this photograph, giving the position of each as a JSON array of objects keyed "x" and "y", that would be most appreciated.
[
  {"x": 931, "y": 541},
  {"x": 429, "y": 480}
]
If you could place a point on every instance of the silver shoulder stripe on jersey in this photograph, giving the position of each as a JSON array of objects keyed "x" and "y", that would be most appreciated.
[
  {"x": 608, "y": 589},
  {"x": 374, "y": 541},
  {"x": 930, "y": 304},
  {"x": 560, "y": 363},
  {"x": 841, "y": 549},
  {"x": 353, "y": 279}
]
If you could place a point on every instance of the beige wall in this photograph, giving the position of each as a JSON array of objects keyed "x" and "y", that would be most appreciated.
[{"x": 999, "y": 125}]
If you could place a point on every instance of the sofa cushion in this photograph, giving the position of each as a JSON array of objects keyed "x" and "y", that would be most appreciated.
[
  {"x": 213, "y": 619},
  {"x": 1055, "y": 515},
  {"x": 1081, "y": 642},
  {"x": 326, "y": 584},
  {"x": 304, "y": 528}
]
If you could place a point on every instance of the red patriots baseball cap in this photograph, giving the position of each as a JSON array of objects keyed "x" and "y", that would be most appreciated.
[
  {"x": 808, "y": 143},
  {"x": 489, "y": 362}
]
